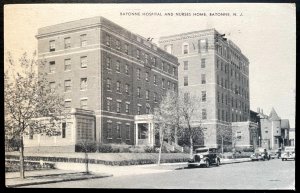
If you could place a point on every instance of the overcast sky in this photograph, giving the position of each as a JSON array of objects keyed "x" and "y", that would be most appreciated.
[{"x": 266, "y": 34}]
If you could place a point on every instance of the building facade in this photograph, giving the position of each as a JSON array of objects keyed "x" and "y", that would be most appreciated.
[
  {"x": 214, "y": 69},
  {"x": 100, "y": 66}
]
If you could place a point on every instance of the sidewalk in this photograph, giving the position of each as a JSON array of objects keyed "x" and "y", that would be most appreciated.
[
  {"x": 47, "y": 176},
  {"x": 73, "y": 171}
]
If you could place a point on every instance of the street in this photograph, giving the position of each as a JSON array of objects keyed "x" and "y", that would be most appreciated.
[{"x": 273, "y": 174}]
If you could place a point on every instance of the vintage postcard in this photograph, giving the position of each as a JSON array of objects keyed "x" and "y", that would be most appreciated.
[{"x": 156, "y": 96}]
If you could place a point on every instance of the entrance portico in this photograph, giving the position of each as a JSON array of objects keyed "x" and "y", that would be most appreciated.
[{"x": 144, "y": 130}]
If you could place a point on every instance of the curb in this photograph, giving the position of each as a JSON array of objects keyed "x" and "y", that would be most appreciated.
[
  {"x": 55, "y": 181},
  {"x": 235, "y": 162}
]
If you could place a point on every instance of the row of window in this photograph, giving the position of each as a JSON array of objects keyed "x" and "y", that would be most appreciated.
[
  {"x": 186, "y": 64},
  {"x": 147, "y": 58},
  {"x": 186, "y": 79},
  {"x": 119, "y": 105},
  {"x": 127, "y": 86},
  {"x": 238, "y": 104},
  {"x": 202, "y": 46},
  {"x": 165, "y": 67},
  {"x": 234, "y": 88},
  {"x": 67, "y": 42},
  {"x": 68, "y": 85},
  {"x": 83, "y": 104},
  {"x": 224, "y": 116},
  {"x": 68, "y": 64},
  {"x": 117, "y": 131}
]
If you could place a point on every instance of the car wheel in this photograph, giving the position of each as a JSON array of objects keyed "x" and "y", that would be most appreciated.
[
  {"x": 282, "y": 159},
  {"x": 206, "y": 163},
  {"x": 217, "y": 162}
]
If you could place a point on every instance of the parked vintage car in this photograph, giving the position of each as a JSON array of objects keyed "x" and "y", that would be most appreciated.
[
  {"x": 275, "y": 153},
  {"x": 289, "y": 153},
  {"x": 260, "y": 154},
  {"x": 204, "y": 157}
]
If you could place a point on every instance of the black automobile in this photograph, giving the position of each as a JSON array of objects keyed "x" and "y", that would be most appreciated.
[{"x": 205, "y": 157}]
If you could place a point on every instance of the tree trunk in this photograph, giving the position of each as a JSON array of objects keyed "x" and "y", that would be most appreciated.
[
  {"x": 191, "y": 147},
  {"x": 161, "y": 144},
  {"x": 175, "y": 136},
  {"x": 21, "y": 148},
  {"x": 222, "y": 146},
  {"x": 86, "y": 163}
]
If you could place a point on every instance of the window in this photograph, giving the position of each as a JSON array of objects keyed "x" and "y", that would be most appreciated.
[
  {"x": 218, "y": 79},
  {"x": 203, "y": 45},
  {"x": 108, "y": 104},
  {"x": 108, "y": 63},
  {"x": 138, "y": 54},
  {"x": 83, "y": 103},
  {"x": 138, "y": 110},
  {"x": 185, "y": 48},
  {"x": 52, "y": 86},
  {"x": 108, "y": 40},
  {"x": 126, "y": 69},
  {"x": 185, "y": 65},
  {"x": 154, "y": 61},
  {"x": 222, "y": 115},
  {"x": 139, "y": 92},
  {"x": 147, "y": 76},
  {"x": 203, "y": 63},
  {"x": 52, "y": 45},
  {"x": 218, "y": 96},
  {"x": 155, "y": 97},
  {"x": 83, "y": 83},
  {"x": 147, "y": 109},
  {"x": 67, "y": 104},
  {"x": 174, "y": 71},
  {"x": 154, "y": 79},
  {"x": 169, "y": 85},
  {"x": 174, "y": 87},
  {"x": 126, "y": 49},
  {"x": 118, "y": 66},
  {"x": 168, "y": 68},
  {"x": 219, "y": 114},
  {"x": 169, "y": 48},
  {"x": 266, "y": 131},
  {"x": 127, "y": 88},
  {"x": 221, "y": 66},
  {"x": 109, "y": 130},
  {"x": 83, "y": 61},
  {"x": 163, "y": 83},
  {"x": 118, "y": 46},
  {"x": 52, "y": 66},
  {"x": 118, "y": 106},
  {"x": 118, "y": 86},
  {"x": 204, "y": 115},
  {"x": 127, "y": 131},
  {"x": 147, "y": 94},
  {"x": 146, "y": 58},
  {"x": 138, "y": 73},
  {"x": 68, "y": 85},
  {"x": 67, "y": 42},
  {"x": 83, "y": 40},
  {"x": 127, "y": 107},
  {"x": 119, "y": 130},
  {"x": 108, "y": 84},
  {"x": 203, "y": 96},
  {"x": 67, "y": 64},
  {"x": 185, "y": 81},
  {"x": 63, "y": 130},
  {"x": 222, "y": 98},
  {"x": 203, "y": 79}
]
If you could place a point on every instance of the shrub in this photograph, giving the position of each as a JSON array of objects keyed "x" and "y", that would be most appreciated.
[
  {"x": 103, "y": 148},
  {"x": 149, "y": 149}
]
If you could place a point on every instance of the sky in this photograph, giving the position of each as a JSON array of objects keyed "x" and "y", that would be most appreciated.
[{"x": 266, "y": 34}]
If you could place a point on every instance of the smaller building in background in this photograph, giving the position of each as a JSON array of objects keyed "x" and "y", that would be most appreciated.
[
  {"x": 245, "y": 134},
  {"x": 274, "y": 130}
]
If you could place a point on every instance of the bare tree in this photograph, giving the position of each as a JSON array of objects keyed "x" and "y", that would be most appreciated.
[
  {"x": 189, "y": 111},
  {"x": 27, "y": 98},
  {"x": 164, "y": 119},
  {"x": 225, "y": 134}
]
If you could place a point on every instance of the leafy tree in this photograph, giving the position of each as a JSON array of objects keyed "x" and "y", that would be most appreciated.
[{"x": 31, "y": 106}]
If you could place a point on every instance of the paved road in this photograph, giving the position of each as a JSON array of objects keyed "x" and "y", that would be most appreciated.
[{"x": 273, "y": 174}]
